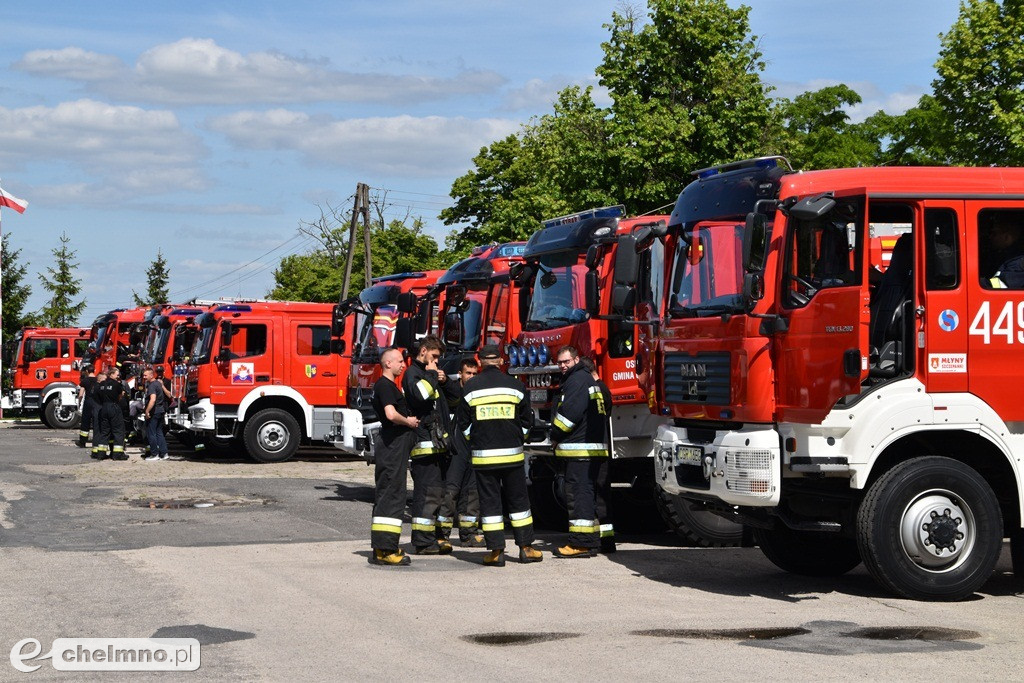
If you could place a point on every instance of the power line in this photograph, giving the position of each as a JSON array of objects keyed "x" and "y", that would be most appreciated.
[{"x": 235, "y": 270}]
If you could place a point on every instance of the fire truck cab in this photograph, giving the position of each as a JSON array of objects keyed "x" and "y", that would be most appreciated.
[
  {"x": 268, "y": 373},
  {"x": 116, "y": 337},
  {"x": 375, "y": 316},
  {"x": 43, "y": 367},
  {"x": 896, "y": 435}
]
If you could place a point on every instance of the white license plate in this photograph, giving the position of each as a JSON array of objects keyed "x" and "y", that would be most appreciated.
[
  {"x": 538, "y": 395},
  {"x": 689, "y": 455}
]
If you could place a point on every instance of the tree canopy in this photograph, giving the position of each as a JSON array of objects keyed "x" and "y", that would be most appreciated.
[
  {"x": 60, "y": 281},
  {"x": 157, "y": 278}
]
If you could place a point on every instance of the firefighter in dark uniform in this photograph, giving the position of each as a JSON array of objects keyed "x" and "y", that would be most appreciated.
[
  {"x": 86, "y": 390},
  {"x": 422, "y": 386},
  {"x": 495, "y": 416},
  {"x": 461, "y": 495},
  {"x": 109, "y": 433},
  {"x": 391, "y": 462},
  {"x": 602, "y": 489},
  {"x": 579, "y": 426}
]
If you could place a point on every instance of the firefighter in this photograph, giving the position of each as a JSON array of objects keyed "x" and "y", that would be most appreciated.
[
  {"x": 495, "y": 417},
  {"x": 578, "y": 431},
  {"x": 397, "y": 435},
  {"x": 421, "y": 385},
  {"x": 86, "y": 390},
  {"x": 108, "y": 436},
  {"x": 461, "y": 495},
  {"x": 602, "y": 488}
]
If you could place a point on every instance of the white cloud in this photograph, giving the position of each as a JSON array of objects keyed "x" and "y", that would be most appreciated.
[
  {"x": 874, "y": 99},
  {"x": 538, "y": 94},
  {"x": 398, "y": 145},
  {"x": 196, "y": 71},
  {"x": 72, "y": 63},
  {"x": 128, "y": 150}
]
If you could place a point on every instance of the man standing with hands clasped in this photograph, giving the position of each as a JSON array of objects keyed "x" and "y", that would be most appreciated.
[
  {"x": 397, "y": 435},
  {"x": 495, "y": 417}
]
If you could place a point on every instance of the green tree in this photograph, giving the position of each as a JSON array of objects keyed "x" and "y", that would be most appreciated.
[
  {"x": 14, "y": 289},
  {"x": 980, "y": 84},
  {"x": 60, "y": 281},
  {"x": 817, "y": 132},
  {"x": 157, "y": 278},
  {"x": 685, "y": 92},
  {"x": 317, "y": 276}
]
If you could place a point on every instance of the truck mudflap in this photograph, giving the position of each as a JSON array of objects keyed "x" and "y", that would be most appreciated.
[
  {"x": 351, "y": 435},
  {"x": 739, "y": 467}
]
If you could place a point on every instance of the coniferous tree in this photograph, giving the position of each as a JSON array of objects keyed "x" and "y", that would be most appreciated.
[
  {"x": 60, "y": 281},
  {"x": 157, "y": 278},
  {"x": 15, "y": 290}
]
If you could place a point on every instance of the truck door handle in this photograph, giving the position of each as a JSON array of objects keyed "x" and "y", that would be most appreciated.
[{"x": 329, "y": 374}]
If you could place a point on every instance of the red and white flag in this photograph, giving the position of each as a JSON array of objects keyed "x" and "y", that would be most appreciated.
[{"x": 10, "y": 201}]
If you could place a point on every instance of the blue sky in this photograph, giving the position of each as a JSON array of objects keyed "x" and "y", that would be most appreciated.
[{"x": 209, "y": 130}]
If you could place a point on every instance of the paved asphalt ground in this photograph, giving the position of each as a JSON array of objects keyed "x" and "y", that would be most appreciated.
[{"x": 273, "y": 580}]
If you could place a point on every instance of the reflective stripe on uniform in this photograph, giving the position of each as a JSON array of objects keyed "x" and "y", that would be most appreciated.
[
  {"x": 496, "y": 523},
  {"x": 424, "y": 448},
  {"x": 583, "y": 526},
  {"x": 445, "y": 522},
  {"x": 581, "y": 450},
  {"x": 497, "y": 456},
  {"x": 83, "y": 434},
  {"x": 563, "y": 423},
  {"x": 467, "y": 522},
  {"x": 495, "y": 395},
  {"x": 607, "y": 530},
  {"x": 519, "y": 519},
  {"x": 422, "y": 524},
  {"x": 427, "y": 389},
  {"x": 389, "y": 525}
]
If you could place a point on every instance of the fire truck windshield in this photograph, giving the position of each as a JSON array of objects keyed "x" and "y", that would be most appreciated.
[
  {"x": 707, "y": 277},
  {"x": 557, "y": 294},
  {"x": 156, "y": 345},
  {"x": 203, "y": 343},
  {"x": 376, "y": 330}
]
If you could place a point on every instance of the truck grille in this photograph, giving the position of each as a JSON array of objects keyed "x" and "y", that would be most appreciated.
[
  {"x": 361, "y": 399},
  {"x": 701, "y": 378}
]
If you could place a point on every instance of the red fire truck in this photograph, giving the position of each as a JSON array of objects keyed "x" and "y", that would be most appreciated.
[
  {"x": 568, "y": 263},
  {"x": 116, "y": 337},
  {"x": 473, "y": 303},
  {"x": 43, "y": 368},
  {"x": 893, "y": 438},
  {"x": 269, "y": 374},
  {"x": 375, "y": 316}
]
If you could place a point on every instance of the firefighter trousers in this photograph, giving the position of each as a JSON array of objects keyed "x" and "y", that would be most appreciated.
[
  {"x": 391, "y": 463},
  {"x": 427, "y": 499},
  {"x": 88, "y": 422},
  {"x": 108, "y": 435},
  {"x": 496, "y": 484},
  {"x": 602, "y": 493},
  {"x": 461, "y": 498},
  {"x": 581, "y": 476}
]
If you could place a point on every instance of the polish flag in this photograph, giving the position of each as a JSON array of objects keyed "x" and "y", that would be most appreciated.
[{"x": 10, "y": 201}]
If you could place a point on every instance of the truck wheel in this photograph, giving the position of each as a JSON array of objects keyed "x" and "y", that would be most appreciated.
[
  {"x": 272, "y": 435},
  {"x": 59, "y": 416},
  {"x": 930, "y": 529},
  {"x": 698, "y": 527},
  {"x": 808, "y": 553}
]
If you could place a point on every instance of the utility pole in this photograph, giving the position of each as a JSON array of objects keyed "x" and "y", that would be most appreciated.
[{"x": 360, "y": 207}]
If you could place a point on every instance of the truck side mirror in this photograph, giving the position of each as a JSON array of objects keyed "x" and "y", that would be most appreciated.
[
  {"x": 227, "y": 330},
  {"x": 593, "y": 256},
  {"x": 524, "y": 305},
  {"x": 405, "y": 333},
  {"x": 593, "y": 297},
  {"x": 755, "y": 242},
  {"x": 407, "y": 302},
  {"x": 753, "y": 286},
  {"x": 337, "y": 321},
  {"x": 224, "y": 355},
  {"x": 809, "y": 208},
  {"x": 627, "y": 261},
  {"x": 623, "y": 299}
]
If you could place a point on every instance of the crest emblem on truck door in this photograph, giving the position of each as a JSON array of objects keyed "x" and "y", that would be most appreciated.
[
  {"x": 41, "y": 373},
  {"x": 310, "y": 371}
]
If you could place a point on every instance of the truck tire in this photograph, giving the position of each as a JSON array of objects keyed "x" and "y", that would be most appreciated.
[
  {"x": 922, "y": 505},
  {"x": 808, "y": 553},
  {"x": 58, "y": 416},
  {"x": 272, "y": 435},
  {"x": 697, "y": 527}
]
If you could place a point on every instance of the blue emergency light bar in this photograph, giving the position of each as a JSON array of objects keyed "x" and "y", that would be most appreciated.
[
  {"x": 603, "y": 212},
  {"x": 188, "y": 311},
  {"x": 234, "y": 308},
  {"x": 397, "y": 276},
  {"x": 759, "y": 162}
]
